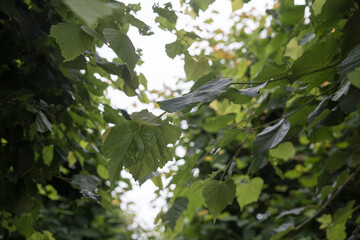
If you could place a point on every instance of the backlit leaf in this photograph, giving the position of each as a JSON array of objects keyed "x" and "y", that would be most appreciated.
[
  {"x": 122, "y": 46},
  {"x": 142, "y": 149},
  {"x": 89, "y": 10},
  {"x": 195, "y": 69},
  {"x": 72, "y": 40},
  {"x": 283, "y": 151},
  {"x": 248, "y": 192}
]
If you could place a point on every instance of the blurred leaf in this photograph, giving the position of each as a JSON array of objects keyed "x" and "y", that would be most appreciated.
[
  {"x": 175, "y": 48},
  {"x": 214, "y": 124},
  {"x": 89, "y": 10},
  {"x": 248, "y": 192},
  {"x": 336, "y": 160},
  {"x": 350, "y": 63},
  {"x": 195, "y": 69},
  {"x": 236, "y": 4},
  {"x": 146, "y": 118},
  {"x": 172, "y": 215},
  {"x": 47, "y": 154},
  {"x": 336, "y": 231},
  {"x": 325, "y": 220},
  {"x": 87, "y": 184},
  {"x": 354, "y": 77},
  {"x": 283, "y": 151}
]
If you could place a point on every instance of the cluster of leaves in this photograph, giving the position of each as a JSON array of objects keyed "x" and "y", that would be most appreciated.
[
  {"x": 270, "y": 150},
  {"x": 53, "y": 177},
  {"x": 269, "y": 127}
]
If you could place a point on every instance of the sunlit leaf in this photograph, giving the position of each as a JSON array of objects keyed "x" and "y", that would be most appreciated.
[{"x": 248, "y": 192}]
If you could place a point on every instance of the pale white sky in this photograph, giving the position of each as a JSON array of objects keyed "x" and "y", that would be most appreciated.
[{"x": 161, "y": 70}]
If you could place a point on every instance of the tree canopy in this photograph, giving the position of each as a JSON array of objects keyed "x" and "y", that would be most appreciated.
[{"x": 270, "y": 126}]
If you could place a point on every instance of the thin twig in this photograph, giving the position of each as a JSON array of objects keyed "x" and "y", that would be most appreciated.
[
  {"x": 290, "y": 76},
  {"x": 340, "y": 188},
  {"x": 235, "y": 155}
]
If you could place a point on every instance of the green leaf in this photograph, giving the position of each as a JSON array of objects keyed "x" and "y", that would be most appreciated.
[
  {"x": 205, "y": 93},
  {"x": 253, "y": 91},
  {"x": 336, "y": 231},
  {"x": 200, "y": 4},
  {"x": 47, "y": 154},
  {"x": 293, "y": 49},
  {"x": 42, "y": 124},
  {"x": 332, "y": 11},
  {"x": 150, "y": 176},
  {"x": 102, "y": 172},
  {"x": 336, "y": 160},
  {"x": 89, "y": 10},
  {"x": 317, "y": 5},
  {"x": 72, "y": 40},
  {"x": 270, "y": 137},
  {"x": 320, "y": 134},
  {"x": 8, "y": 7},
  {"x": 350, "y": 63},
  {"x": 218, "y": 195},
  {"x": 236, "y": 5},
  {"x": 143, "y": 28},
  {"x": 194, "y": 69},
  {"x": 194, "y": 194},
  {"x": 248, "y": 192},
  {"x": 146, "y": 118},
  {"x": 174, "y": 48},
  {"x": 325, "y": 220},
  {"x": 46, "y": 235},
  {"x": 141, "y": 149},
  {"x": 354, "y": 77},
  {"x": 87, "y": 184},
  {"x": 94, "y": 34},
  {"x": 122, "y": 46},
  {"x": 24, "y": 225},
  {"x": 166, "y": 12},
  {"x": 318, "y": 56},
  {"x": 214, "y": 124},
  {"x": 172, "y": 215},
  {"x": 283, "y": 151}
]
